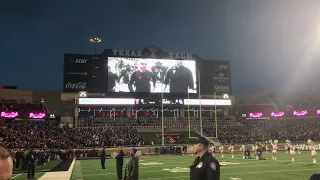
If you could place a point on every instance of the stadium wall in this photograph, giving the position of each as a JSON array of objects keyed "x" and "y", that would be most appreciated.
[{"x": 51, "y": 98}]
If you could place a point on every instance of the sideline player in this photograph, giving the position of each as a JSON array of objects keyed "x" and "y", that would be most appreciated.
[
  {"x": 256, "y": 148},
  {"x": 221, "y": 150},
  {"x": 243, "y": 149},
  {"x": 213, "y": 149},
  {"x": 267, "y": 148},
  {"x": 274, "y": 149},
  {"x": 313, "y": 151},
  {"x": 286, "y": 147},
  {"x": 231, "y": 149},
  {"x": 292, "y": 149}
]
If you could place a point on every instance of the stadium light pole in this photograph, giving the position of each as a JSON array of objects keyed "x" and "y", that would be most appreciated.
[
  {"x": 201, "y": 130},
  {"x": 95, "y": 41},
  {"x": 162, "y": 118}
]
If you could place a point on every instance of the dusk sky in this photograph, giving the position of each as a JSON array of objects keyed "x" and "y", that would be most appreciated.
[{"x": 273, "y": 45}]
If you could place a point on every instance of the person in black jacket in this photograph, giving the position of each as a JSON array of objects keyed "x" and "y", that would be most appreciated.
[
  {"x": 103, "y": 158},
  {"x": 119, "y": 160},
  {"x": 205, "y": 166},
  {"x": 6, "y": 162},
  {"x": 112, "y": 80},
  {"x": 125, "y": 74},
  {"x": 132, "y": 168},
  {"x": 179, "y": 78},
  {"x": 31, "y": 164},
  {"x": 141, "y": 79}
]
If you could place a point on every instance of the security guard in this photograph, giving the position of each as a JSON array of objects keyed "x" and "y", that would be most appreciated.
[
  {"x": 205, "y": 166},
  {"x": 103, "y": 158},
  {"x": 119, "y": 161},
  {"x": 132, "y": 168}
]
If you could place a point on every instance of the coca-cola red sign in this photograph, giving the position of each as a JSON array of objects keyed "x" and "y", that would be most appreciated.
[{"x": 78, "y": 85}]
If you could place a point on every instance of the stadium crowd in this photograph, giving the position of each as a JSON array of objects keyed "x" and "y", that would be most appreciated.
[{"x": 124, "y": 131}]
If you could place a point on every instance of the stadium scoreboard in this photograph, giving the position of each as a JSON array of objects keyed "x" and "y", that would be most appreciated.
[{"x": 147, "y": 71}]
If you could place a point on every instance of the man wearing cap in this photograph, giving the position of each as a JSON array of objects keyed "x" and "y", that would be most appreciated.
[
  {"x": 132, "y": 168},
  {"x": 141, "y": 79},
  {"x": 205, "y": 166},
  {"x": 119, "y": 158},
  {"x": 179, "y": 78}
]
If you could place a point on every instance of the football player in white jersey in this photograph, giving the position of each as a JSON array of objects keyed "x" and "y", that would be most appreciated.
[
  {"x": 243, "y": 149},
  {"x": 292, "y": 149},
  {"x": 274, "y": 149},
  {"x": 192, "y": 150},
  {"x": 267, "y": 148},
  {"x": 213, "y": 149},
  {"x": 298, "y": 147},
  {"x": 313, "y": 150},
  {"x": 231, "y": 149},
  {"x": 221, "y": 150},
  {"x": 256, "y": 147},
  {"x": 286, "y": 148}
]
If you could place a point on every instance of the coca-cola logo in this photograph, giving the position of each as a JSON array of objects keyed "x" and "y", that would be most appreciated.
[{"x": 79, "y": 85}]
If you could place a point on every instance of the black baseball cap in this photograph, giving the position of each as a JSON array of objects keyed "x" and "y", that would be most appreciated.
[{"x": 202, "y": 140}]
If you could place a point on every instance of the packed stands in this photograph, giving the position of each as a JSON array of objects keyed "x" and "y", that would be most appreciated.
[{"x": 107, "y": 131}]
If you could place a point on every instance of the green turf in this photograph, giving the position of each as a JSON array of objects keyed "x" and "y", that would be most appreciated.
[
  {"x": 282, "y": 169},
  {"x": 40, "y": 170},
  {"x": 151, "y": 136}
]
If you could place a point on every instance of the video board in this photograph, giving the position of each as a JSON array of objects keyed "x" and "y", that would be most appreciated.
[
  {"x": 151, "y": 75},
  {"x": 147, "y": 71},
  {"x": 83, "y": 73},
  {"x": 215, "y": 77}
]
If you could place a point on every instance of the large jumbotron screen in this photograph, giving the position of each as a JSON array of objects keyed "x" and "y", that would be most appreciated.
[{"x": 151, "y": 75}]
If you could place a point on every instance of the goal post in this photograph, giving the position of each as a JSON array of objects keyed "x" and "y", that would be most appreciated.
[{"x": 214, "y": 119}]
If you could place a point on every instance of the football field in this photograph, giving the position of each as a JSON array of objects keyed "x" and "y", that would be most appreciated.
[{"x": 177, "y": 168}]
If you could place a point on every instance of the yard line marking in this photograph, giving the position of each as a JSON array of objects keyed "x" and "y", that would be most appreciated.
[
  {"x": 77, "y": 171},
  {"x": 16, "y": 176},
  {"x": 175, "y": 177}
]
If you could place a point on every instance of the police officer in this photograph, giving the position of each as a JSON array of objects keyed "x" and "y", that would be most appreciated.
[
  {"x": 132, "y": 168},
  {"x": 31, "y": 164},
  {"x": 103, "y": 158},
  {"x": 205, "y": 166},
  {"x": 119, "y": 161}
]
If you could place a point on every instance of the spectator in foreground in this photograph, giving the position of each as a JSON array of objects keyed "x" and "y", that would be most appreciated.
[
  {"x": 132, "y": 168},
  {"x": 6, "y": 163}
]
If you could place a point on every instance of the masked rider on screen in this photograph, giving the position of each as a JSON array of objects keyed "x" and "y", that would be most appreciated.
[
  {"x": 141, "y": 79},
  {"x": 179, "y": 78}
]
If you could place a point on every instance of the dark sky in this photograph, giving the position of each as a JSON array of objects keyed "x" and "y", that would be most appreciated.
[{"x": 273, "y": 45}]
